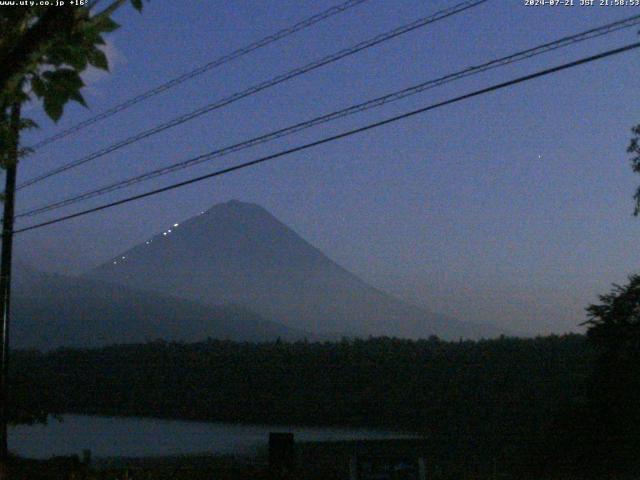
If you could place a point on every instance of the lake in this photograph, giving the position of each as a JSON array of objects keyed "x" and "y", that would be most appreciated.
[{"x": 145, "y": 437}]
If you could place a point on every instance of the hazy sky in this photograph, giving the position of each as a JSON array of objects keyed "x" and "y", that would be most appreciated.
[{"x": 514, "y": 207}]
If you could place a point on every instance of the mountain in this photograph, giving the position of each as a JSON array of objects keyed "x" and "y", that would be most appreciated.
[
  {"x": 50, "y": 311},
  {"x": 239, "y": 253}
]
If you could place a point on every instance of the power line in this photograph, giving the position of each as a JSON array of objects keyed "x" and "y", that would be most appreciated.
[
  {"x": 261, "y": 86},
  {"x": 279, "y": 35},
  {"x": 339, "y": 136},
  {"x": 392, "y": 97}
]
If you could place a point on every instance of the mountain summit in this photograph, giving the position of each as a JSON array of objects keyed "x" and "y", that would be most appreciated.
[{"x": 238, "y": 253}]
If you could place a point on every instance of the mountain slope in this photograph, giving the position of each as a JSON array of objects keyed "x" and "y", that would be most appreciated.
[
  {"x": 51, "y": 311},
  {"x": 239, "y": 253}
]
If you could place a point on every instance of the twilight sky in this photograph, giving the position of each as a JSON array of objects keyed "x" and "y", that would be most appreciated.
[{"x": 514, "y": 207}]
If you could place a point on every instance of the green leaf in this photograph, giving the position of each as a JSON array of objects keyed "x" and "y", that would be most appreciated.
[
  {"x": 77, "y": 96},
  {"x": 137, "y": 4},
  {"x": 39, "y": 87},
  {"x": 54, "y": 106},
  {"x": 72, "y": 53},
  {"x": 104, "y": 25},
  {"x": 99, "y": 60},
  {"x": 74, "y": 56},
  {"x": 64, "y": 80},
  {"x": 61, "y": 86}
]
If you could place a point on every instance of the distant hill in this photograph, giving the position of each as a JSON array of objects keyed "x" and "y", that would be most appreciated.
[
  {"x": 241, "y": 254},
  {"x": 51, "y": 311}
]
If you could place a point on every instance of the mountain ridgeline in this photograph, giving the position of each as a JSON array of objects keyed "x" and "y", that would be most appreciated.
[
  {"x": 238, "y": 253},
  {"x": 51, "y": 311}
]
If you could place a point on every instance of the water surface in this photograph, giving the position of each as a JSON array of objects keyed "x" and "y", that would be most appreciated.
[{"x": 143, "y": 437}]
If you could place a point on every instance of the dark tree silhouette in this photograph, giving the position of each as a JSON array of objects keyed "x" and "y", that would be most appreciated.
[
  {"x": 614, "y": 388},
  {"x": 483, "y": 405},
  {"x": 597, "y": 434}
]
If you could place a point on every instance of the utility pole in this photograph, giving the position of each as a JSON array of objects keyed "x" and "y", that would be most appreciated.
[{"x": 5, "y": 279}]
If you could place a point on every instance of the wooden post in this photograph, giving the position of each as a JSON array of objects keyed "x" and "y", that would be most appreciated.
[
  {"x": 281, "y": 455},
  {"x": 5, "y": 282},
  {"x": 422, "y": 469},
  {"x": 353, "y": 468}
]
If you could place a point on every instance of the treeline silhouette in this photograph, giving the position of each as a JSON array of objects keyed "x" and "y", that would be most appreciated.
[
  {"x": 599, "y": 432},
  {"x": 486, "y": 401}
]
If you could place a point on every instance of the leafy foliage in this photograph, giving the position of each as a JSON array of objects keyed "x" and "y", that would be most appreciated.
[
  {"x": 43, "y": 51},
  {"x": 614, "y": 325},
  {"x": 634, "y": 148}
]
